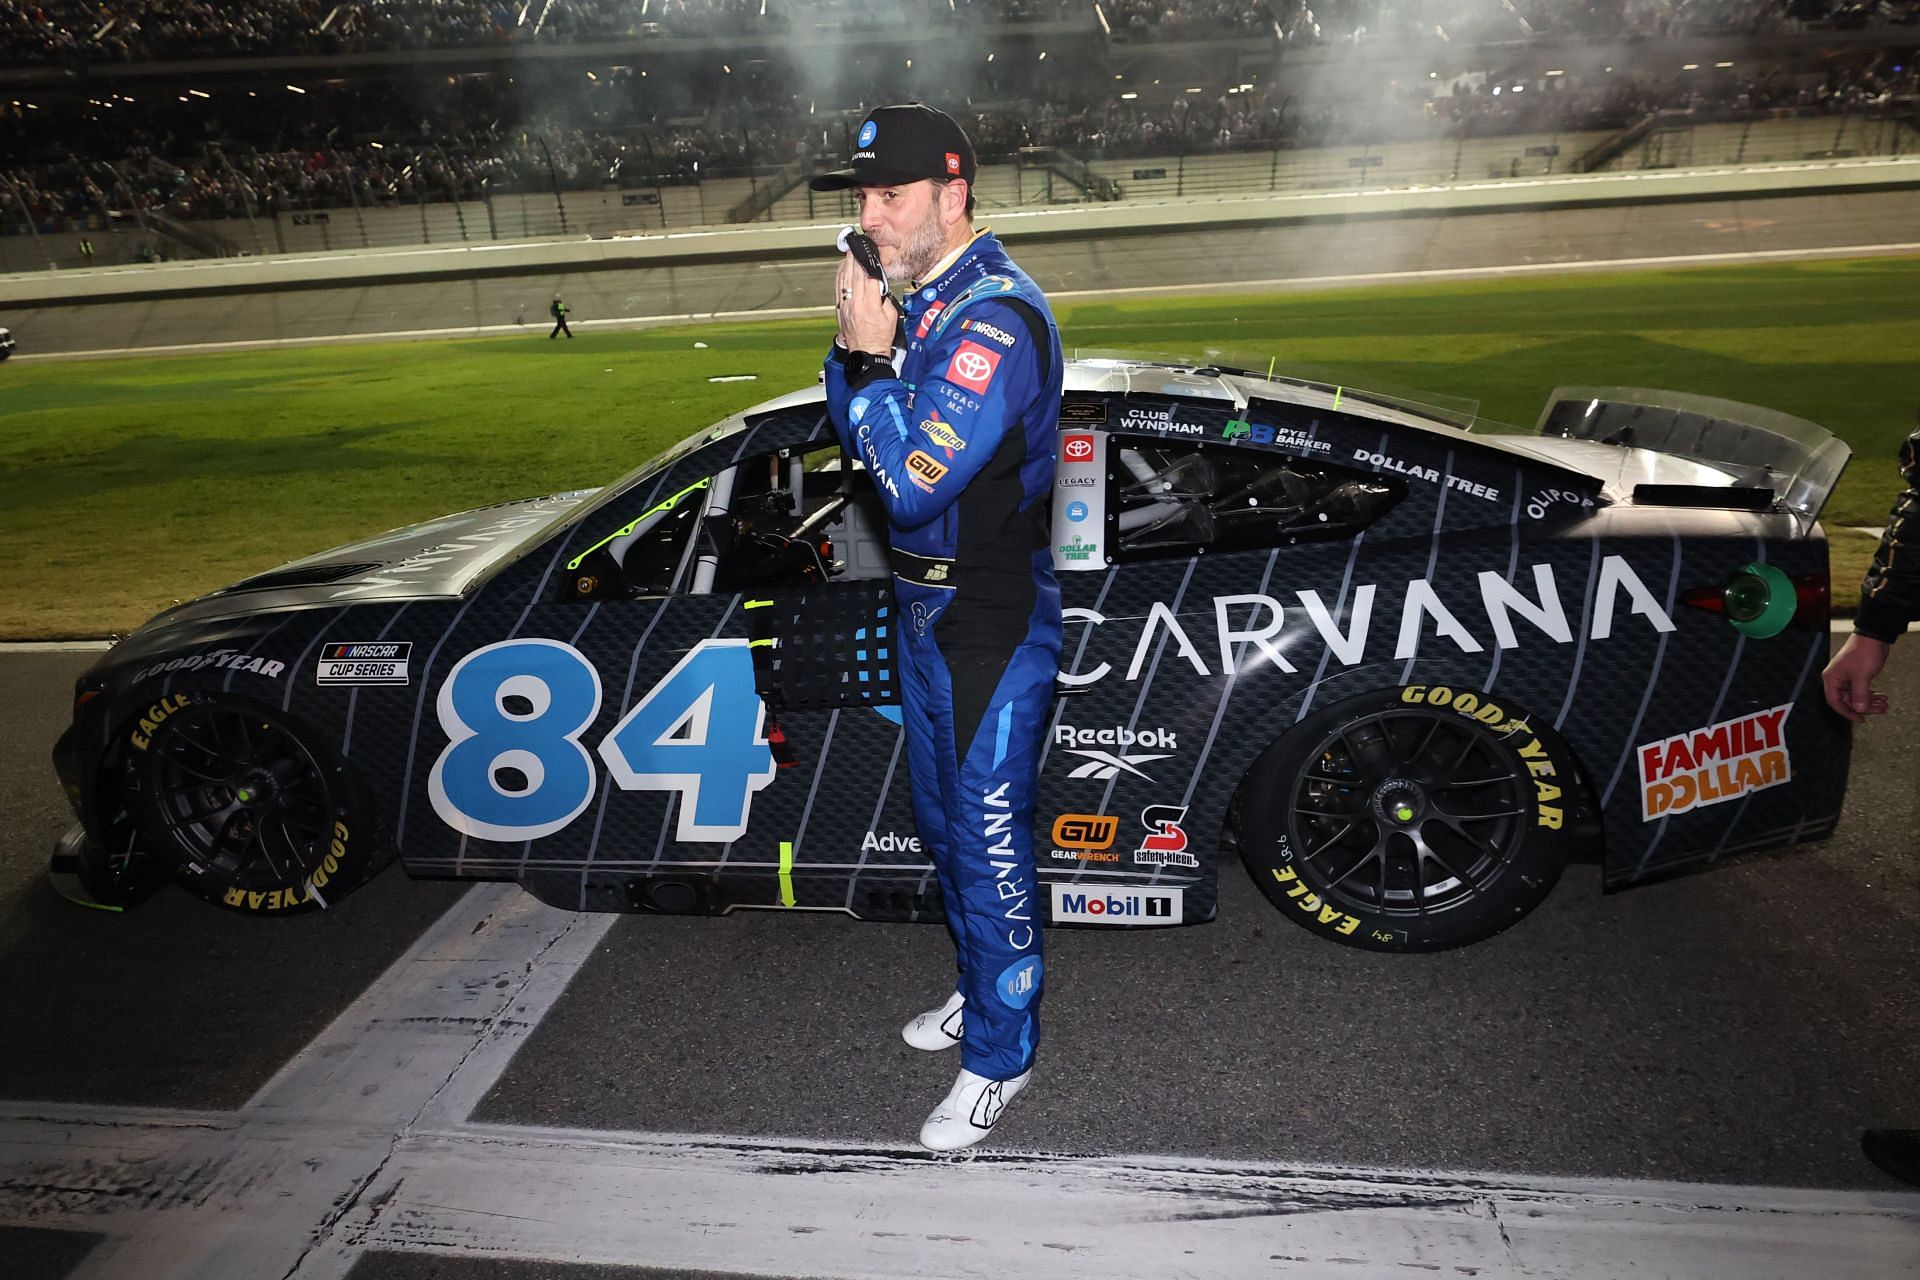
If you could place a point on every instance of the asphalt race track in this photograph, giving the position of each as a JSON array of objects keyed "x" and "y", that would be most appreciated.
[
  {"x": 1305, "y": 256},
  {"x": 1738, "y": 1026},
  {"x": 440, "y": 1080}
]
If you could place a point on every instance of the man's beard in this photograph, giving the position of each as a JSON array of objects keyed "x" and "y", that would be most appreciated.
[{"x": 924, "y": 246}]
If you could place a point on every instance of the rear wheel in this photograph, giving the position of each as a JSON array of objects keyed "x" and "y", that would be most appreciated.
[
  {"x": 249, "y": 808},
  {"x": 1409, "y": 819}
]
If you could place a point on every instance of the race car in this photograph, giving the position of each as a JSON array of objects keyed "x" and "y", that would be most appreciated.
[
  {"x": 1401, "y": 669},
  {"x": 6, "y": 343}
]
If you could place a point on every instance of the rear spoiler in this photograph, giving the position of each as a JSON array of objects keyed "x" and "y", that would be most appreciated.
[{"x": 1796, "y": 461}]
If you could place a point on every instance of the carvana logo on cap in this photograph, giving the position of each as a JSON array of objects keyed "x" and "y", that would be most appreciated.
[{"x": 867, "y": 132}]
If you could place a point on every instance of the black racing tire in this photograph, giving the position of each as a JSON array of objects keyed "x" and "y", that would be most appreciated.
[
  {"x": 247, "y": 806},
  {"x": 1413, "y": 818}
]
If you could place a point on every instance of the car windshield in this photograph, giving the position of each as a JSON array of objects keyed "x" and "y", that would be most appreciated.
[
  {"x": 645, "y": 471},
  {"x": 1280, "y": 372}
]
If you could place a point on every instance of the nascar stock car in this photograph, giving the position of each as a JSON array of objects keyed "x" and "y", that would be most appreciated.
[{"x": 1404, "y": 670}]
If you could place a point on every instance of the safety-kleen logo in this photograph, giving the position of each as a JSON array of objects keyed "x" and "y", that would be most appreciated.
[
  {"x": 1720, "y": 762},
  {"x": 1085, "y": 830},
  {"x": 924, "y": 469}
]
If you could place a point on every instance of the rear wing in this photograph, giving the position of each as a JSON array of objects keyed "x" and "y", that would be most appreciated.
[{"x": 1761, "y": 450}]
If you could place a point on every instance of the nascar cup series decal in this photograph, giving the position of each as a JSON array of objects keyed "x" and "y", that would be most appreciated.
[
  {"x": 1720, "y": 762},
  {"x": 374, "y": 662}
]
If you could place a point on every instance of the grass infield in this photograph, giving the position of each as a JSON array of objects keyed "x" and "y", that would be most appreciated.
[{"x": 129, "y": 483}]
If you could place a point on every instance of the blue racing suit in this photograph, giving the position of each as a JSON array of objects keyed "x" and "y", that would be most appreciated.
[{"x": 960, "y": 444}]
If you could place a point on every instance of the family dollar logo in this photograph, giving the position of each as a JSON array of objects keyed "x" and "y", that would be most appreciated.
[{"x": 1720, "y": 762}]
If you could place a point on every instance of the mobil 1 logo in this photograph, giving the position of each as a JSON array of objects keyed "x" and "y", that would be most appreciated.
[
  {"x": 368, "y": 662},
  {"x": 1078, "y": 904}
]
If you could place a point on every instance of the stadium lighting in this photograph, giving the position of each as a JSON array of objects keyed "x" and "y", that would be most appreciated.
[
  {"x": 1723, "y": 64},
  {"x": 989, "y": 57},
  {"x": 593, "y": 77},
  {"x": 1691, "y": 66},
  {"x": 185, "y": 98},
  {"x": 726, "y": 68},
  {"x": 1496, "y": 91},
  {"x": 378, "y": 146},
  {"x": 294, "y": 88},
  {"x": 1043, "y": 55},
  {"x": 199, "y": 93},
  {"x": 1128, "y": 97},
  {"x": 1519, "y": 88},
  {"x": 1561, "y": 73},
  {"x": 909, "y": 64},
  {"x": 1196, "y": 89}
]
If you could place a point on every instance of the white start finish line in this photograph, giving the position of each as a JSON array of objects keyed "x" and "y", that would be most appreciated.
[{"x": 362, "y": 1143}]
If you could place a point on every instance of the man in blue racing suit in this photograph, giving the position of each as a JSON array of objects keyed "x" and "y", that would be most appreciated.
[{"x": 956, "y": 428}]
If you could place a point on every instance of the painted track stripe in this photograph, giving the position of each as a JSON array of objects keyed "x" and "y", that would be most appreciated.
[{"x": 361, "y": 1142}]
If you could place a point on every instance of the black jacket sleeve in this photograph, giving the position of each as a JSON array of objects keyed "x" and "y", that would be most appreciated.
[{"x": 1890, "y": 593}]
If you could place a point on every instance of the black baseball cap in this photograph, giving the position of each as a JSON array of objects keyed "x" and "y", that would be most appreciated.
[{"x": 903, "y": 144}]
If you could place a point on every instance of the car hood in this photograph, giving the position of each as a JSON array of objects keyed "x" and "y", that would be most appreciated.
[{"x": 438, "y": 558}]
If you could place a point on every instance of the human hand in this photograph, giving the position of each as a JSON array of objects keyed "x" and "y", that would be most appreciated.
[
  {"x": 865, "y": 310},
  {"x": 1848, "y": 679}
]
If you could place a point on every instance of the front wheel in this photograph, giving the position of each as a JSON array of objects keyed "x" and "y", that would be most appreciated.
[
  {"x": 249, "y": 808},
  {"x": 1409, "y": 819}
]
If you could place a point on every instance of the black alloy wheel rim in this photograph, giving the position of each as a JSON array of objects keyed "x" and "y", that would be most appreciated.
[
  {"x": 239, "y": 794},
  {"x": 1408, "y": 813}
]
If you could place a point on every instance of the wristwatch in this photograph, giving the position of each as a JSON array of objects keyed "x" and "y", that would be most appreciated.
[{"x": 861, "y": 364}]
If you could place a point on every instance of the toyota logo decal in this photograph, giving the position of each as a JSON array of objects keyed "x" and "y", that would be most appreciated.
[{"x": 972, "y": 366}]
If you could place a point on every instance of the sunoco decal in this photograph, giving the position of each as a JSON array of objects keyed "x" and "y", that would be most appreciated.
[
  {"x": 372, "y": 662},
  {"x": 1720, "y": 762}
]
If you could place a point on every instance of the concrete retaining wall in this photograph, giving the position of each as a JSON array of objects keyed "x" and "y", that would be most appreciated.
[{"x": 319, "y": 262}]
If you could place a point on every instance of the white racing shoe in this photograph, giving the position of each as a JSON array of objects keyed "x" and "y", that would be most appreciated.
[
  {"x": 970, "y": 1111},
  {"x": 936, "y": 1029}
]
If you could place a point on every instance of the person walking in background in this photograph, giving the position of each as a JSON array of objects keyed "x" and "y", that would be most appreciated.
[
  {"x": 559, "y": 313},
  {"x": 957, "y": 433},
  {"x": 1889, "y": 600}
]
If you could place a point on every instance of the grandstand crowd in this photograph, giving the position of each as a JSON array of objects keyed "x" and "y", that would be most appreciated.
[
  {"x": 84, "y": 32},
  {"x": 289, "y": 159},
  {"x": 260, "y": 147}
]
